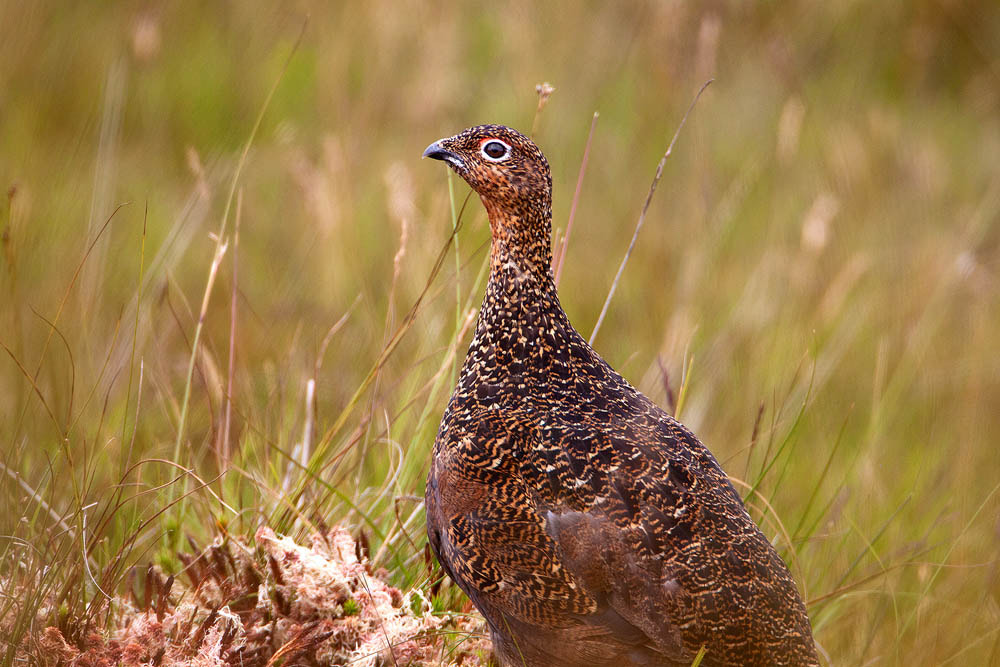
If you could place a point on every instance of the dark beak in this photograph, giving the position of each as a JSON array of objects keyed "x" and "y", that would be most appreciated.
[{"x": 438, "y": 152}]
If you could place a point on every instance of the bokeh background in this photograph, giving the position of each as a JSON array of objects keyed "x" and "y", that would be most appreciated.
[{"x": 816, "y": 290}]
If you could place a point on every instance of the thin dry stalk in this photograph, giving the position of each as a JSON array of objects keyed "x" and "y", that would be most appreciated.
[
  {"x": 331, "y": 332},
  {"x": 642, "y": 215},
  {"x": 381, "y": 622},
  {"x": 72, "y": 365},
  {"x": 307, "y": 436},
  {"x": 220, "y": 242},
  {"x": 220, "y": 250},
  {"x": 135, "y": 336},
  {"x": 34, "y": 387},
  {"x": 576, "y": 199},
  {"x": 33, "y": 378},
  {"x": 226, "y": 452},
  {"x": 390, "y": 346},
  {"x": 37, "y": 497},
  {"x": 544, "y": 91}
]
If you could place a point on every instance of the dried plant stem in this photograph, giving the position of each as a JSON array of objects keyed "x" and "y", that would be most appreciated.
[
  {"x": 458, "y": 256},
  {"x": 135, "y": 335},
  {"x": 307, "y": 428},
  {"x": 544, "y": 91},
  {"x": 220, "y": 251},
  {"x": 220, "y": 244},
  {"x": 33, "y": 379},
  {"x": 576, "y": 198},
  {"x": 37, "y": 497},
  {"x": 226, "y": 453},
  {"x": 381, "y": 622},
  {"x": 325, "y": 442},
  {"x": 642, "y": 215}
]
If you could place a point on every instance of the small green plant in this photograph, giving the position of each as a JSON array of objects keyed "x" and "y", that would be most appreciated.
[{"x": 351, "y": 607}]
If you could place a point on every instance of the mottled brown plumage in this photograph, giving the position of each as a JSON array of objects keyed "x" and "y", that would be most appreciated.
[{"x": 587, "y": 525}]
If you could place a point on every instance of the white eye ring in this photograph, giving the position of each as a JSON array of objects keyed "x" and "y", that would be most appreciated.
[{"x": 501, "y": 158}]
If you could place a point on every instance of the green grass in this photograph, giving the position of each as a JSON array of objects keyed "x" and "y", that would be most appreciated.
[{"x": 816, "y": 287}]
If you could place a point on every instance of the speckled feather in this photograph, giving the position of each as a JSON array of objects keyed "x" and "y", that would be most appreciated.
[{"x": 587, "y": 525}]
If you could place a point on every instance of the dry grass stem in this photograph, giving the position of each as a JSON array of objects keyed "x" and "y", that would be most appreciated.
[
  {"x": 642, "y": 215},
  {"x": 576, "y": 199}
]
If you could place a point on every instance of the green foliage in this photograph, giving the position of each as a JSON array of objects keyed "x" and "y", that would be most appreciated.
[
  {"x": 351, "y": 607},
  {"x": 818, "y": 280}
]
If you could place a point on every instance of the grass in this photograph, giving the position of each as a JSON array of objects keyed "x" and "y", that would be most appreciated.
[{"x": 815, "y": 290}]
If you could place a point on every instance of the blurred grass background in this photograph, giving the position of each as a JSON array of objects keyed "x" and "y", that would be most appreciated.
[{"x": 820, "y": 272}]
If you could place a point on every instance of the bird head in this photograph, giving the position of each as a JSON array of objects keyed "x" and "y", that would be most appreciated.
[{"x": 503, "y": 166}]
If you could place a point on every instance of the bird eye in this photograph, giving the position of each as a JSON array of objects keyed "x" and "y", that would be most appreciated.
[{"x": 495, "y": 150}]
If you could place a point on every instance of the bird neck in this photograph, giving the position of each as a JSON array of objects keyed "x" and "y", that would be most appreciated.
[
  {"x": 521, "y": 299},
  {"x": 520, "y": 250},
  {"x": 524, "y": 341}
]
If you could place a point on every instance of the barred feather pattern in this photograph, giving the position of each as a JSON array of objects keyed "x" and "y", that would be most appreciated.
[{"x": 586, "y": 524}]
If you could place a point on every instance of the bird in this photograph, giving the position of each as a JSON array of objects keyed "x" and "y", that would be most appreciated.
[{"x": 587, "y": 525}]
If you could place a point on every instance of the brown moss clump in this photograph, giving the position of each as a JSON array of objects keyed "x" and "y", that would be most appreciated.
[{"x": 268, "y": 603}]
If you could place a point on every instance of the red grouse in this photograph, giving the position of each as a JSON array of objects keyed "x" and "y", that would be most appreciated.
[{"x": 586, "y": 524}]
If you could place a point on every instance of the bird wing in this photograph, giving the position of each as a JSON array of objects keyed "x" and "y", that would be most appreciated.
[
  {"x": 646, "y": 521},
  {"x": 550, "y": 566}
]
